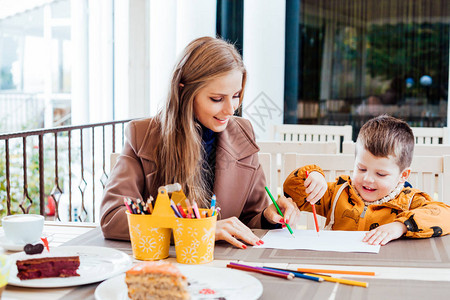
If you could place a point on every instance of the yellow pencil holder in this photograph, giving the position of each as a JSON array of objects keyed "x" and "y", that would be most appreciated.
[
  {"x": 194, "y": 239},
  {"x": 148, "y": 242},
  {"x": 150, "y": 234}
]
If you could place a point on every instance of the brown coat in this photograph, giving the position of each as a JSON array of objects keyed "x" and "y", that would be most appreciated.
[{"x": 239, "y": 179}]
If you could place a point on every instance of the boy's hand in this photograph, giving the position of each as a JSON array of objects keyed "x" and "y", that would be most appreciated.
[
  {"x": 288, "y": 207},
  {"x": 316, "y": 186},
  {"x": 385, "y": 233}
]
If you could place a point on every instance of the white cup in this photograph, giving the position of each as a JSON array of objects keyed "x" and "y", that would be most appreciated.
[{"x": 25, "y": 228}]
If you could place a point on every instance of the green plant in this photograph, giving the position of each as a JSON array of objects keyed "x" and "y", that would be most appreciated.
[{"x": 32, "y": 172}]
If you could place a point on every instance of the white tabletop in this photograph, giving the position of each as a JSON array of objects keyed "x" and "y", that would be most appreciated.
[{"x": 387, "y": 276}]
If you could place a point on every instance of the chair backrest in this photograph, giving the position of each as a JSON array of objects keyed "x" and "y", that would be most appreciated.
[
  {"x": 311, "y": 133},
  {"x": 429, "y": 173},
  {"x": 271, "y": 155},
  {"x": 419, "y": 149},
  {"x": 431, "y": 150},
  {"x": 348, "y": 147},
  {"x": 431, "y": 135},
  {"x": 332, "y": 165}
]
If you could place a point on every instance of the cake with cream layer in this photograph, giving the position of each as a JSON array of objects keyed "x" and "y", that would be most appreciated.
[{"x": 156, "y": 280}]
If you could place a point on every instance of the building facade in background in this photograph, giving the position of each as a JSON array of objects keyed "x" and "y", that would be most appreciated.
[{"x": 309, "y": 61}]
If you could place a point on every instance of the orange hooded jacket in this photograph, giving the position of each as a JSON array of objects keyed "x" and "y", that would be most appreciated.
[{"x": 345, "y": 210}]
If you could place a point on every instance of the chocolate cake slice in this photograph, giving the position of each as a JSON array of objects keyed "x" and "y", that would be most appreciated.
[{"x": 46, "y": 267}]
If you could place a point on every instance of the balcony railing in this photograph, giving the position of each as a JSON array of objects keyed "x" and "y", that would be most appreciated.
[{"x": 60, "y": 172}]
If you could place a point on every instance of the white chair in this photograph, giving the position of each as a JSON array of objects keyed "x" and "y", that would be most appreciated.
[
  {"x": 431, "y": 150},
  {"x": 431, "y": 135},
  {"x": 429, "y": 173},
  {"x": 348, "y": 147},
  {"x": 311, "y": 133},
  {"x": 274, "y": 155}
]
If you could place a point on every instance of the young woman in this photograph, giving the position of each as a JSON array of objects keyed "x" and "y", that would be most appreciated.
[{"x": 196, "y": 141}]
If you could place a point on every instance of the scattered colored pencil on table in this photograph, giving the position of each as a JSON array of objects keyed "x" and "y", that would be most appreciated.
[
  {"x": 328, "y": 271},
  {"x": 290, "y": 274},
  {"x": 281, "y": 274},
  {"x": 341, "y": 280},
  {"x": 298, "y": 274}
]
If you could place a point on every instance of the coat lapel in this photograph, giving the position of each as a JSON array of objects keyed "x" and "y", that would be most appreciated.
[{"x": 234, "y": 169}]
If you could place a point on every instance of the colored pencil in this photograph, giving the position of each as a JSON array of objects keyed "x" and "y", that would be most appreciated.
[
  {"x": 195, "y": 209},
  {"x": 341, "y": 280},
  {"x": 177, "y": 213},
  {"x": 278, "y": 209},
  {"x": 144, "y": 209},
  {"x": 314, "y": 212},
  {"x": 181, "y": 210},
  {"x": 135, "y": 209},
  {"x": 213, "y": 204},
  {"x": 139, "y": 204},
  {"x": 127, "y": 206},
  {"x": 174, "y": 208},
  {"x": 131, "y": 205},
  {"x": 298, "y": 274},
  {"x": 189, "y": 208},
  {"x": 284, "y": 275},
  {"x": 304, "y": 270},
  {"x": 216, "y": 211}
]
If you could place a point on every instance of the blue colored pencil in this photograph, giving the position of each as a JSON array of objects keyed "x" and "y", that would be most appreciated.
[
  {"x": 175, "y": 210},
  {"x": 213, "y": 205},
  {"x": 297, "y": 274}
]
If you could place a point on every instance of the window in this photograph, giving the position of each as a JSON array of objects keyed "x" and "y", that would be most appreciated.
[
  {"x": 35, "y": 64},
  {"x": 358, "y": 59}
]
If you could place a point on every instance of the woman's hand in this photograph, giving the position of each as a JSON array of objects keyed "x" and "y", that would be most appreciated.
[
  {"x": 288, "y": 208},
  {"x": 232, "y": 230},
  {"x": 385, "y": 233},
  {"x": 316, "y": 186}
]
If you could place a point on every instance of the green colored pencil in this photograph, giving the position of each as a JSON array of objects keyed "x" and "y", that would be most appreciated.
[{"x": 279, "y": 210}]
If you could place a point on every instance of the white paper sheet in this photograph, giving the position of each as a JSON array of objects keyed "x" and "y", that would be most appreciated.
[{"x": 328, "y": 240}]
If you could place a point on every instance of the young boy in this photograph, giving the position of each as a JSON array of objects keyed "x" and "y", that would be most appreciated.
[{"x": 375, "y": 198}]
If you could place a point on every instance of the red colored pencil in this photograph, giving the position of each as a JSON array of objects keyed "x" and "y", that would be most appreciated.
[
  {"x": 314, "y": 212},
  {"x": 128, "y": 207},
  {"x": 261, "y": 271},
  {"x": 181, "y": 210}
]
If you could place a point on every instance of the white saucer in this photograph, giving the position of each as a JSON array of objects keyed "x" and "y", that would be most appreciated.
[{"x": 12, "y": 246}]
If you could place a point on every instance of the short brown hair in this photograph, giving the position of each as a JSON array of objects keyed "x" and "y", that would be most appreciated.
[{"x": 385, "y": 135}]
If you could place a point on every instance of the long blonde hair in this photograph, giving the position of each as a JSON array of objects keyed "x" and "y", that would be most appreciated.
[{"x": 179, "y": 151}]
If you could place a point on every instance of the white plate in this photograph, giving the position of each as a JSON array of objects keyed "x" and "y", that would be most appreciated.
[
  {"x": 227, "y": 283},
  {"x": 96, "y": 264},
  {"x": 12, "y": 246}
]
